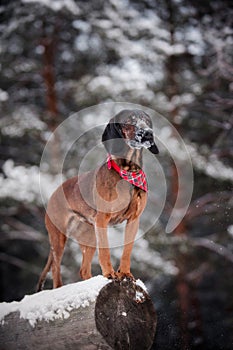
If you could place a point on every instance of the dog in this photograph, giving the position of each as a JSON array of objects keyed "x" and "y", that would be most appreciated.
[{"x": 83, "y": 206}]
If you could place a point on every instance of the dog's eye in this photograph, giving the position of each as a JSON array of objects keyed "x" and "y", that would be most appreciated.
[
  {"x": 127, "y": 126},
  {"x": 128, "y": 130}
]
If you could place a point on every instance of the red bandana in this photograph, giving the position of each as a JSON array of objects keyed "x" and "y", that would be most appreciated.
[{"x": 136, "y": 178}]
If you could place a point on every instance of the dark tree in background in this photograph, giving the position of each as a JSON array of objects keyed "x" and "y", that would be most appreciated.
[{"x": 172, "y": 56}]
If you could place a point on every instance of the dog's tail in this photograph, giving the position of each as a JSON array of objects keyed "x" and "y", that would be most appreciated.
[{"x": 43, "y": 275}]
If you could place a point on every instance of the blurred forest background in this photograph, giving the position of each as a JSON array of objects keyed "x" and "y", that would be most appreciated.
[{"x": 174, "y": 56}]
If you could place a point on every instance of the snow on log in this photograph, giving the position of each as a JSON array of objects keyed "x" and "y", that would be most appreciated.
[{"x": 93, "y": 314}]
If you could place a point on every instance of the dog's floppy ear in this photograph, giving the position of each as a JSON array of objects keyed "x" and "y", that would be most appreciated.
[
  {"x": 112, "y": 131},
  {"x": 153, "y": 148},
  {"x": 112, "y": 138}
]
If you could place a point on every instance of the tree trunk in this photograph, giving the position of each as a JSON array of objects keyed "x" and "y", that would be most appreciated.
[
  {"x": 121, "y": 317},
  {"x": 52, "y": 116}
]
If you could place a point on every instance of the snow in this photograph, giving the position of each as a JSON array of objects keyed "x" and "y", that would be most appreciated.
[
  {"x": 23, "y": 119},
  {"x": 49, "y": 305},
  {"x": 57, "y": 303},
  {"x": 27, "y": 183},
  {"x": 168, "y": 49},
  {"x": 145, "y": 256},
  {"x": 139, "y": 297},
  {"x": 57, "y": 5},
  {"x": 211, "y": 165},
  {"x": 82, "y": 25},
  {"x": 3, "y": 95},
  {"x": 141, "y": 284},
  {"x": 230, "y": 230}
]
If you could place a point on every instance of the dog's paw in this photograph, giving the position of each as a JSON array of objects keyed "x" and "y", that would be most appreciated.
[
  {"x": 111, "y": 275},
  {"x": 85, "y": 275},
  {"x": 125, "y": 276}
]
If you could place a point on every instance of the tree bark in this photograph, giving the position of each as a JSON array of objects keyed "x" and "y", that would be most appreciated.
[
  {"x": 122, "y": 317},
  {"x": 76, "y": 332}
]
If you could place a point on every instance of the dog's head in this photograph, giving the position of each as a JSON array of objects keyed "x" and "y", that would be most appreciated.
[{"x": 129, "y": 129}]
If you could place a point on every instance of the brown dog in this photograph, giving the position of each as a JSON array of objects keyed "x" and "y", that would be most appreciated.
[{"x": 84, "y": 206}]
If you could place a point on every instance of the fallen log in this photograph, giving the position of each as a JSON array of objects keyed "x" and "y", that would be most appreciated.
[{"x": 89, "y": 315}]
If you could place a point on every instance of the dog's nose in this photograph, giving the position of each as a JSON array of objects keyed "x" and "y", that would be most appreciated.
[{"x": 147, "y": 135}]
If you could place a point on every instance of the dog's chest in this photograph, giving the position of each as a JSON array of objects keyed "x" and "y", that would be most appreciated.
[
  {"x": 134, "y": 208},
  {"x": 117, "y": 197}
]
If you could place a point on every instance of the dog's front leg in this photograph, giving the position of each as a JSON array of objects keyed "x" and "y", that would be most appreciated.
[
  {"x": 103, "y": 246},
  {"x": 130, "y": 233}
]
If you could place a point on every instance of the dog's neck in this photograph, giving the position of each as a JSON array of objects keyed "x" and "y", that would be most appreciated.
[{"x": 132, "y": 160}]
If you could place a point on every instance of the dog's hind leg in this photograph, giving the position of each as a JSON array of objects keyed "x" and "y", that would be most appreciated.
[
  {"x": 57, "y": 242},
  {"x": 43, "y": 275}
]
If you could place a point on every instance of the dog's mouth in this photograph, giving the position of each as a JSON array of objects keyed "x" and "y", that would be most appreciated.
[
  {"x": 138, "y": 145},
  {"x": 143, "y": 139}
]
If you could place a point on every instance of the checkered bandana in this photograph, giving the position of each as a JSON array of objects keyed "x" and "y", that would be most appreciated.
[{"x": 136, "y": 178}]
